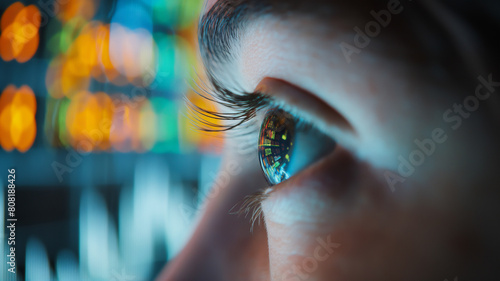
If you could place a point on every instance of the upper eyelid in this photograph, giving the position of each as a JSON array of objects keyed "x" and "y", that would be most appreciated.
[
  {"x": 310, "y": 108},
  {"x": 301, "y": 119}
]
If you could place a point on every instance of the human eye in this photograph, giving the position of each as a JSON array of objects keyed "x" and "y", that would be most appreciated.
[
  {"x": 286, "y": 127},
  {"x": 288, "y": 144}
]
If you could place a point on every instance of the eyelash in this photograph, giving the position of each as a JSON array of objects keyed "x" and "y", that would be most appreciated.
[{"x": 244, "y": 108}]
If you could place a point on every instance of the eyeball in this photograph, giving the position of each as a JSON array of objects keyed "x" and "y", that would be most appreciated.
[{"x": 287, "y": 146}]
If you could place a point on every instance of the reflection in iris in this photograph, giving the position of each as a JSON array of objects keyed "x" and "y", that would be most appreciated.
[{"x": 275, "y": 145}]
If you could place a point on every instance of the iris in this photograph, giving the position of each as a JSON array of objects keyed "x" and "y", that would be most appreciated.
[
  {"x": 286, "y": 145},
  {"x": 276, "y": 144}
]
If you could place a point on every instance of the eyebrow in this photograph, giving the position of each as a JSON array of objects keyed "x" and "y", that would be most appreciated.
[
  {"x": 223, "y": 25},
  {"x": 220, "y": 28},
  {"x": 217, "y": 29}
]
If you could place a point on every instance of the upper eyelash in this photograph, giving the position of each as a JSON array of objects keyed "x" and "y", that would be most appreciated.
[{"x": 244, "y": 107}]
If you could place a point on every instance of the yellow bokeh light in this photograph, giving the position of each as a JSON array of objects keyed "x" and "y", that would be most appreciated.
[
  {"x": 21, "y": 123},
  {"x": 72, "y": 78},
  {"x": 89, "y": 119},
  {"x": 26, "y": 97},
  {"x": 17, "y": 118}
]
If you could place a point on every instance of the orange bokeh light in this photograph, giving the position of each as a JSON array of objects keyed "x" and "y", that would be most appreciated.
[
  {"x": 105, "y": 69},
  {"x": 17, "y": 118},
  {"x": 88, "y": 121},
  {"x": 10, "y": 14},
  {"x": 86, "y": 58},
  {"x": 71, "y": 9},
  {"x": 99, "y": 122},
  {"x": 19, "y": 39},
  {"x": 127, "y": 56}
]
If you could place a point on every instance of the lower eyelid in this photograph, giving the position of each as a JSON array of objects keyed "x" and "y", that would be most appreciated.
[{"x": 315, "y": 190}]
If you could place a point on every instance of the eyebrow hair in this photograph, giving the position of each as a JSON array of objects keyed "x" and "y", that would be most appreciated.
[
  {"x": 221, "y": 27},
  {"x": 217, "y": 28}
]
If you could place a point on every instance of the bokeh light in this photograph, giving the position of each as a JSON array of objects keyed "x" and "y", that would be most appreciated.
[
  {"x": 108, "y": 122},
  {"x": 69, "y": 9},
  {"x": 132, "y": 52},
  {"x": 88, "y": 119},
  {"x": 20, "y": 38},
  {"x": 126, "y": 53},
  {"x": 17, "y": 118},
  {"x": 176, "y": 13}
]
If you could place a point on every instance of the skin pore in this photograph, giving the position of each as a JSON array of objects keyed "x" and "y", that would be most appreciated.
[{"x": 374, "y": 208}]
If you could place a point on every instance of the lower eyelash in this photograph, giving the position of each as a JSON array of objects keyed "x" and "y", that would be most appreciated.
[{"x": 252, "y": 204}]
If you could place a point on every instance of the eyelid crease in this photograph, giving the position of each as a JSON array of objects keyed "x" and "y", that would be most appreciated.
[{"x": 307, "y": 106}]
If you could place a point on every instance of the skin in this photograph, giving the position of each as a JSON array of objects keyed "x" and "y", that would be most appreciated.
[{"x": 437, "y": 223}]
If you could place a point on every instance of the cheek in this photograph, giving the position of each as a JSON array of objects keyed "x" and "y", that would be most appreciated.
[
  {"x": 321, "y": 193},
  {"x": 346, "y": 224}
]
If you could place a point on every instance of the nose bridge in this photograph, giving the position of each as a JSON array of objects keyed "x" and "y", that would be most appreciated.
[
  {"x": 223, "y": 247},
  {"x": 222, "y": 252}
]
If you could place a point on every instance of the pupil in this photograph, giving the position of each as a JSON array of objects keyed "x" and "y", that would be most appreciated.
[{"x": 275, "y": 145}]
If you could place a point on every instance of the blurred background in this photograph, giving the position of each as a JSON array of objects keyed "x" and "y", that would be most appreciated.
[{"x": 110, "y": 171}]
